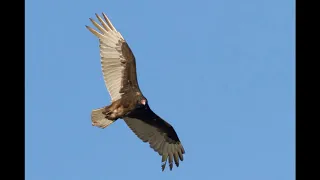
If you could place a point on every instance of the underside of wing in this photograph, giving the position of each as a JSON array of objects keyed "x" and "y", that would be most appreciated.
[
  {"x": 159, "y": 134},
  {"x": 117, "y": 60}
]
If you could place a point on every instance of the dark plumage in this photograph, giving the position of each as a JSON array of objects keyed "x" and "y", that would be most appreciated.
[{"x": 127, "y": 101}]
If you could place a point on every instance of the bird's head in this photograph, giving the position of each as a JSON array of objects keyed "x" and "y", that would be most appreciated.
[{"x": 142, "y": 102}]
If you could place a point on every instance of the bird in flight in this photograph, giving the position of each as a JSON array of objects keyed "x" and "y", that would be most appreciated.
[{"x": 127, "y": 101}]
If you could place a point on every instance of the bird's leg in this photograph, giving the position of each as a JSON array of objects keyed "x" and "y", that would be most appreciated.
[
  {"x": 112, "y": 112},
  {"x": 107, "y": 111}
]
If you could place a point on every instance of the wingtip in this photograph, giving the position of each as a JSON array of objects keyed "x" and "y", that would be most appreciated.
[
  {"x": 97, "y": 15},
  {"x": 171, "y": 166},
  {"x": 103, "y": 14},
  {"x": 163, "y": 167}
]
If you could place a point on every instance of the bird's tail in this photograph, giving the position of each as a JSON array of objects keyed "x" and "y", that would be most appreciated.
[{"x": 98, "y": 118}]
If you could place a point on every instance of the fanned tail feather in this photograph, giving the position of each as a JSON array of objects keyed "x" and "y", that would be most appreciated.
[{"x": 98, "y": 118}]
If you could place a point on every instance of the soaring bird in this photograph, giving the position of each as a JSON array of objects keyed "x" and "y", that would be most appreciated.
[{"x": 127, "y": 100}]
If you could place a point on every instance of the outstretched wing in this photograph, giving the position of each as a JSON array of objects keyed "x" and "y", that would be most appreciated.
[
  {"x": 117, "y": 59},
  {"x": 161, "y": 136}
]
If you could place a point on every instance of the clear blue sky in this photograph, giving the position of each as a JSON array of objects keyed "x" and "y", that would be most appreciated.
[{"x": 221, "y": 72}]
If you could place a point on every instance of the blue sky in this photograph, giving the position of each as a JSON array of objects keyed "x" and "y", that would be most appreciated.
[{"x": 221, "y": 72}]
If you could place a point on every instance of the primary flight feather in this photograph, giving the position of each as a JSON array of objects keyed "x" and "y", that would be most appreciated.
[{"x": 127, "y": 101}]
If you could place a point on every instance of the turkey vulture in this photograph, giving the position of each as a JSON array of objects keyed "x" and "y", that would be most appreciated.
[{"x": 127, "y": 101}]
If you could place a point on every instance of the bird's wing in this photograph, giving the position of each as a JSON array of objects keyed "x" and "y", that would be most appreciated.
[
  {"x": 158, "y": 133},
  {"x": 117, "y": 59}
]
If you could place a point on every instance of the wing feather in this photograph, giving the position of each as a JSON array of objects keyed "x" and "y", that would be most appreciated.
[{"x": 117, "y": 60}]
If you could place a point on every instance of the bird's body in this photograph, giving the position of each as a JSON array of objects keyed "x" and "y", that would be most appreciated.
[{"x": 127, "y": 101}]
